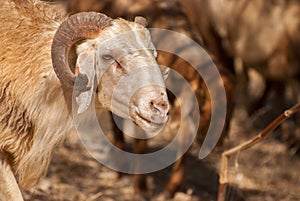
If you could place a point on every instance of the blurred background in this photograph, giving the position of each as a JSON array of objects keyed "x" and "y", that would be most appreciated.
[{"x": 256, "y": 48}]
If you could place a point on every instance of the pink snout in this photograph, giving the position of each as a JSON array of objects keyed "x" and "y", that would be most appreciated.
[
  {"x": 151, "y": 107},
  {"x": 160, "y": 110}
]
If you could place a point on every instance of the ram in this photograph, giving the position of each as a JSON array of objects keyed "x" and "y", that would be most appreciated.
[{"x": 46, "y": 59}]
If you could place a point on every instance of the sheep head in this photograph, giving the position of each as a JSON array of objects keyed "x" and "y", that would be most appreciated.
[{"x": 117, "y": 63}]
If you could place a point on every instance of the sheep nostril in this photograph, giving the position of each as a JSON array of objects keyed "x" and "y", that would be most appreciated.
[
  {"x": 151, "y": 104},
  {"x": 161, "y": 108}
]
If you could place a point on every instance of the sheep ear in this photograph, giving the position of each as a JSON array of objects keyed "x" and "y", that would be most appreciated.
[
  {"x": 141, "y": 20},
  {"x": 85, "y": 67}
]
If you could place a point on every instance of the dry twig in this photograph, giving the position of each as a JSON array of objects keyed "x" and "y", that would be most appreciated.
[
  {"x": 223, "y": 181},
  {"x": 94, "y": 197}
]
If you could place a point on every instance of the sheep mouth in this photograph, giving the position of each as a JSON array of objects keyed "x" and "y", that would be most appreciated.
[
  {"x": 143, "y": 118},
  {"x": 146, "y": 123}
]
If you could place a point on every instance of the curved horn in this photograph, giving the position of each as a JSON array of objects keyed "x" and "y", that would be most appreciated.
[{"x": 85, "y": 25}]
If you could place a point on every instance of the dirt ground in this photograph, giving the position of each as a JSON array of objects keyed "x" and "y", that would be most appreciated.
[{"x": 266, "y": 172}]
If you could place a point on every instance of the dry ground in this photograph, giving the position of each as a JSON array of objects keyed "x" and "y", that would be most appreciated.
[{"x": 266, "y": 172}]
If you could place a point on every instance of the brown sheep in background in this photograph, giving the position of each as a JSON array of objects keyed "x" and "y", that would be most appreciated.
[{"x": 261, "y": 37}]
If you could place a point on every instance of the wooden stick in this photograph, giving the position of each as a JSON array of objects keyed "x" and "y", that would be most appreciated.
[
  {"x": 223, "y": 181},
  {"x": 94, "y": 197}
]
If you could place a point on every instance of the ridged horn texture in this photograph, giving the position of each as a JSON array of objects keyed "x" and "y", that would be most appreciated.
[{"x": 78, "y": 27}]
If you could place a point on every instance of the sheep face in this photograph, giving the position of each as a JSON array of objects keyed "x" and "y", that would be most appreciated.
[{"x": 129, "y": 80}]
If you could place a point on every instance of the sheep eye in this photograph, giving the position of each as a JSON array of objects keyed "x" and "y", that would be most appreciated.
[{"x": 107, "y": 57}]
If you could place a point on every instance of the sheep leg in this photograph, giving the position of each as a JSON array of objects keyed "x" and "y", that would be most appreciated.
[
  {"x": 259, "y": 103},
  {"x": 9, "y": 189},
  {"x": 177, "y": 177},
  {"x": 119, "y": 140},
  {"x": 140, "y": 146},
  {"x": 118, "y": 134},
  {"x": 278, "y": 88},
  {"x": 280, "y": 96},
  {"x": 139, "y": 180}
]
